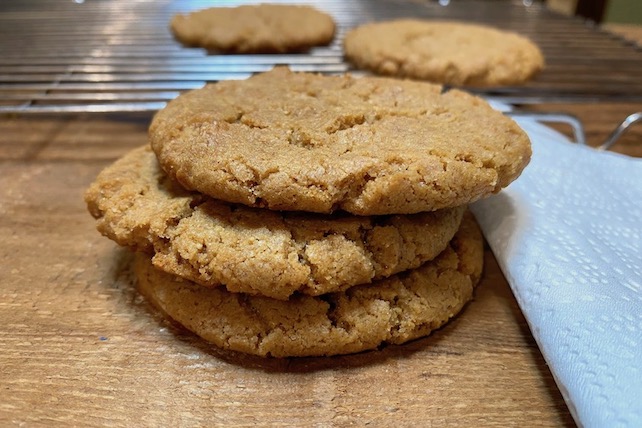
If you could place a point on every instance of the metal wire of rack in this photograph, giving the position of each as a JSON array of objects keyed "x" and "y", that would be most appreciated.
[{"x": 112, "y": 56}]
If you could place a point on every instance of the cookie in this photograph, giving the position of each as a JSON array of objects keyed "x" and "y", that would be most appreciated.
[
  {"x": 453, "y": 53},
  {"x": 307, "y": 142},
  {"x": 253, "y": 251},
  {"x": 263, "y": 28},
  {"x": 394, "y": 310}
]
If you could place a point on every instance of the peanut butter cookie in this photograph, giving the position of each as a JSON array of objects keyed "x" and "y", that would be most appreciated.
[
  {"x": 262, "y": 28},
  {"x": 252, "y": 250},
  {"x": 453, "y": 53},
  {"x": 394, "y": 310},
  {"x": 307, "y": 142}
]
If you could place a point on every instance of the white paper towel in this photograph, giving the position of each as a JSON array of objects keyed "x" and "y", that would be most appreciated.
[{"x": 567, "y": 235}]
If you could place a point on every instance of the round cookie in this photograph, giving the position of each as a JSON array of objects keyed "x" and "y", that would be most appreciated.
[
  {"x": 307, "y": 142},
  {"x": 263, "y": 28},
  {"x": 453, "y": 53},
  {"x": 252, "y": 250},
  {"x": 394, "y": 310}
]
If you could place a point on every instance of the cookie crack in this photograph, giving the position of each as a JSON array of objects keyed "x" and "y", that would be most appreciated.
[
  {"x": 245, "y": 302},
  {"x": 241, "y": 119},
  {"x": 252, "y": 179},
  {"x": 364, "y": 231},
  {"x": 333, "y": 313},
  {"x": 162, "y": 244},
  {"x": 353, "y": 191},
  {"x": 300, "y": 138},
  {"x": 304, "y": 261},
  {"x": 344, "y": 122},
  {"x": 395, "y": 322}
]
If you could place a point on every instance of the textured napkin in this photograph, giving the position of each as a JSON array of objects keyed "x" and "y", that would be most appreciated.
[{"x": 568, "y": 235}]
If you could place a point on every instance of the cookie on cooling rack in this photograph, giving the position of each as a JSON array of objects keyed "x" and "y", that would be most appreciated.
[
  {"x": 307, "y": 142},
  {"x": 256, "y": 251},
  {"x": 454, "y": 53},
  {"x": 394, "y": 310},
  {"x": 262, "y": 28}
]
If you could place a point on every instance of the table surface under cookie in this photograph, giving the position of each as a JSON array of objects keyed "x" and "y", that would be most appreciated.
[{"x": 79, "y": 347}]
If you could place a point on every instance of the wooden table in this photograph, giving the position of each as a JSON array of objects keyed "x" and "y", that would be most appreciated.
[{"x": 79, "y": 347}]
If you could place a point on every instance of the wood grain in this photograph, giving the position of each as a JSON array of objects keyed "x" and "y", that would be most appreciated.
[{"x": 79, "y": 347}]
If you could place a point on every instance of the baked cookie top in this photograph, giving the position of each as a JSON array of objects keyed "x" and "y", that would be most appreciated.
[
  {"x": 453, "y": 53},
  {"x": 307, "y": 142},
  {"x": 262, "y": 28},
  {"x": 394, "y": 310},
  {"x": 252, "y": 250}
]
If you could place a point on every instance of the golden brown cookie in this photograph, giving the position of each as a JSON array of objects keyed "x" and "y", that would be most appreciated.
[
  {"x": 307, "y": 142},
  {"x": 394, "y": 310},
  {"x": 252, "y": 250},
  {"x": 262, "y": 28},
  {"x": 453, "y": 53}
]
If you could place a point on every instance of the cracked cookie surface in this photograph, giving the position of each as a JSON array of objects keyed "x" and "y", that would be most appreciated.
[
  {"x": 453, "y": 53},
  {"x": 369, "y": 146},
  {"x": 262, "y": 28},
  {"x": 394, "y": 310},
  {"x": 252, "y": 250}
]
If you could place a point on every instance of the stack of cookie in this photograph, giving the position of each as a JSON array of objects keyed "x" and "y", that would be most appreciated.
[{"x": 293, "y": 214}]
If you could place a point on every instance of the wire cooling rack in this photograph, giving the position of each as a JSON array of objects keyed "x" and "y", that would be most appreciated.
[{"x": 62, "y": 56}]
